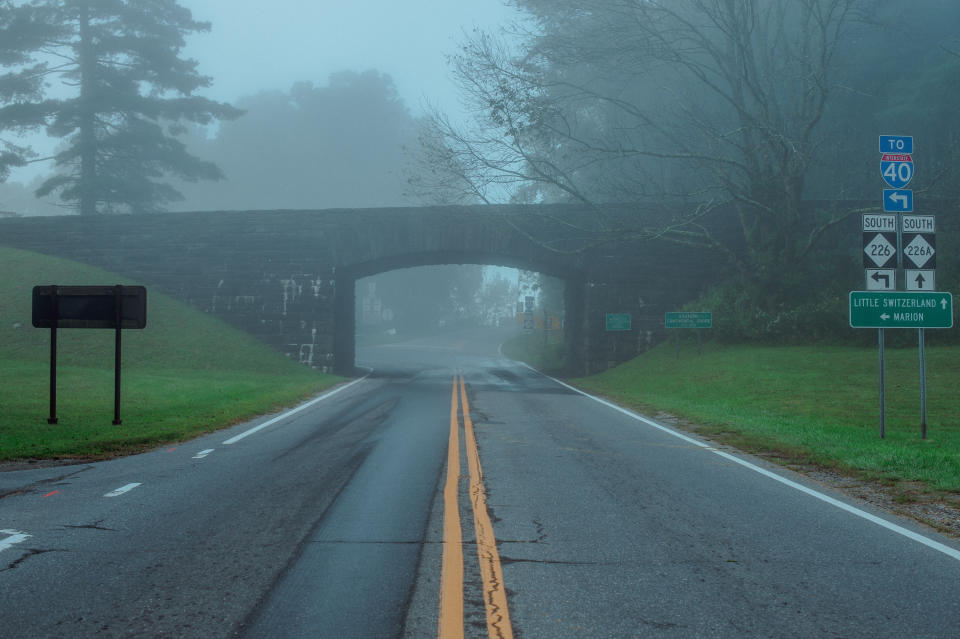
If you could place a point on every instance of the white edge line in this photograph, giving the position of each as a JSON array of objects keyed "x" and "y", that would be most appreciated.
[
  {"x": 15, "y": 538},
  {"x": 122, "y": 490},
  {"x": 271, "y": 422},
  {"x": 900, "y": 530}
]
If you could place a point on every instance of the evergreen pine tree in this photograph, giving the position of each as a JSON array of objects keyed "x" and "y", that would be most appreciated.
[
  {"x": 134, "y": 92},
  {"x": 22, "y": 34}
]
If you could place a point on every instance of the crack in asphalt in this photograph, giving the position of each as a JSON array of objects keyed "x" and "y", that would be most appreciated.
[
  {"x": 557, "y": 562},
  {"x": 29, "y": 488},
  {"x": 30, "y": 552},
  {"x": 94, "y": 526},
  {"x": 660, "y": 625},
  {"x": 373, "y": 542}
]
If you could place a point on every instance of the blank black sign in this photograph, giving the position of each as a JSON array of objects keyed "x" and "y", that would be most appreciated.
[{"x": 89, "y": 306}]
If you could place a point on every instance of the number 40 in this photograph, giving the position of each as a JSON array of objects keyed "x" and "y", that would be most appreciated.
[{"x": 899, "y": 172}]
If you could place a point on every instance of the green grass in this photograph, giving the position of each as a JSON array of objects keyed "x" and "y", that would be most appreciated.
[
  {"x": 530, "y": 348},
  {"x": 185, "y": 374},
  {"x": 807, "y": 405}
]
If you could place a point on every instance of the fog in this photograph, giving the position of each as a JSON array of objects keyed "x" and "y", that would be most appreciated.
[
  {"x": 747, "y": 130},
  {"x": 255, "y": 46},
  {"x": 418, "y": 302},
  {"x": 358, "y": 74}
]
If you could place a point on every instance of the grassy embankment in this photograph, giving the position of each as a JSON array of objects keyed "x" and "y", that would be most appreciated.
[
  {"x": 185, "y": 374},
  {"x": 806, "y": 405},
  {"x": 530, "y": 348}
]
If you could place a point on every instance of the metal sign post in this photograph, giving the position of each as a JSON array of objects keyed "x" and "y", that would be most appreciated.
[
  {"x": 900, "y": 242},
  {"x": 923, "y": 388},
  {"x": 117, "y": 307},
  {"x": 688, "y": 319},
  {"x": 883, "y": 409},
  {"x": 53, "y": 359},
  {"x": 920, "y": 310}
]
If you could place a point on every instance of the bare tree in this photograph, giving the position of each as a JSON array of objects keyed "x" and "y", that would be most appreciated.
[{"x": 702, "y": 104}]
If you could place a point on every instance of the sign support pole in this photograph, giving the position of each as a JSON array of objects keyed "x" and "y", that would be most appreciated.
[
  {"x": 699, "y": 343},
  {"x": 883, "y": 412},
  {"x": 118, "y": 302},
  {"x": 53, "y": 361},
  {"x": 923, "y": 388},
  {"x": 676, "y": 341}
]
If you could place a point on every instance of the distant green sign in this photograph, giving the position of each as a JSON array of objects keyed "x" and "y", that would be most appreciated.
[
  {"x": 683, "y": 319},
  {"x": 618, "y": 321},
  {"x": 888, "y": 309}
]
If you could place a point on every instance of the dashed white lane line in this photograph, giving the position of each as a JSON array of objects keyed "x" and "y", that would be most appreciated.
[
  {"x": 203, "y": 453},
  {"x": 270, "y": 422},
  {"x": 122, "y": 490},
  {"x": 15, "y": 537},
  {"x": 883, "y": 523}
]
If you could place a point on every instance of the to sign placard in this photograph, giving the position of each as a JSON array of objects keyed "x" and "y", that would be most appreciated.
[{"x": 896, "y": 144}]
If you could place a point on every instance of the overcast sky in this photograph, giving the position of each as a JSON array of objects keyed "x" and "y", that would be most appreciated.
[{"x": 270, "y": 44}]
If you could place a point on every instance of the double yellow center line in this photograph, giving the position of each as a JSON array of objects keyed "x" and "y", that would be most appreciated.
[{"x": 451, "y": 576}]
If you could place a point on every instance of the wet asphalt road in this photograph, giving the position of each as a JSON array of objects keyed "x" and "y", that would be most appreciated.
[{"x": 329, "y": 523}]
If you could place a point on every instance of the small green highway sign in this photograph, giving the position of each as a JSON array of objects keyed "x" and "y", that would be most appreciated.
[
  {"x": 618, "y": 321},
  {"x": 890, "y": 309},
  {"x": 685, "y": 319}
]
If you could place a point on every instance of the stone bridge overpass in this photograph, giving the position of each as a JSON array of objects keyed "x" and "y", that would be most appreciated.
[{"x": 288, "y": 277}]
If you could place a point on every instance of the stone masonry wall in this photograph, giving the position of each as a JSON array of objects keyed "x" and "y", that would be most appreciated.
[{"x": 277, "y": 274}]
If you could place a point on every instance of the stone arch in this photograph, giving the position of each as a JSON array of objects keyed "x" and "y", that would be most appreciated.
[
  {"x": 274, "y": 274},
  {"x": 344, "y": 314}
]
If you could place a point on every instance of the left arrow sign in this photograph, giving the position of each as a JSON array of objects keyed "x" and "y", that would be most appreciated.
[
  {"x": 898, "y": 200},
  {"x": 881, "y": 279}
]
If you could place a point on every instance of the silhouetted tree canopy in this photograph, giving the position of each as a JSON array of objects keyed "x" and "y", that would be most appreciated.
[
  {"x": 741, "y": 108},
  {"x": 132, "y": 93},
  {"x": 22, "y": 34},
  {"x": 342, "y": 144}
]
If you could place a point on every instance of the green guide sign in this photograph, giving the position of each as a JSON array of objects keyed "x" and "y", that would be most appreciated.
[
  {"x": 889, "y": 309},
  {"x": 688, "y": 320},
  {"x": 618, "y": 321}
]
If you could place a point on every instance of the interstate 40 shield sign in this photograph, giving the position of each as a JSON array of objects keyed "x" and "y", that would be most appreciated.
[{"x": 896, "y": 169}]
